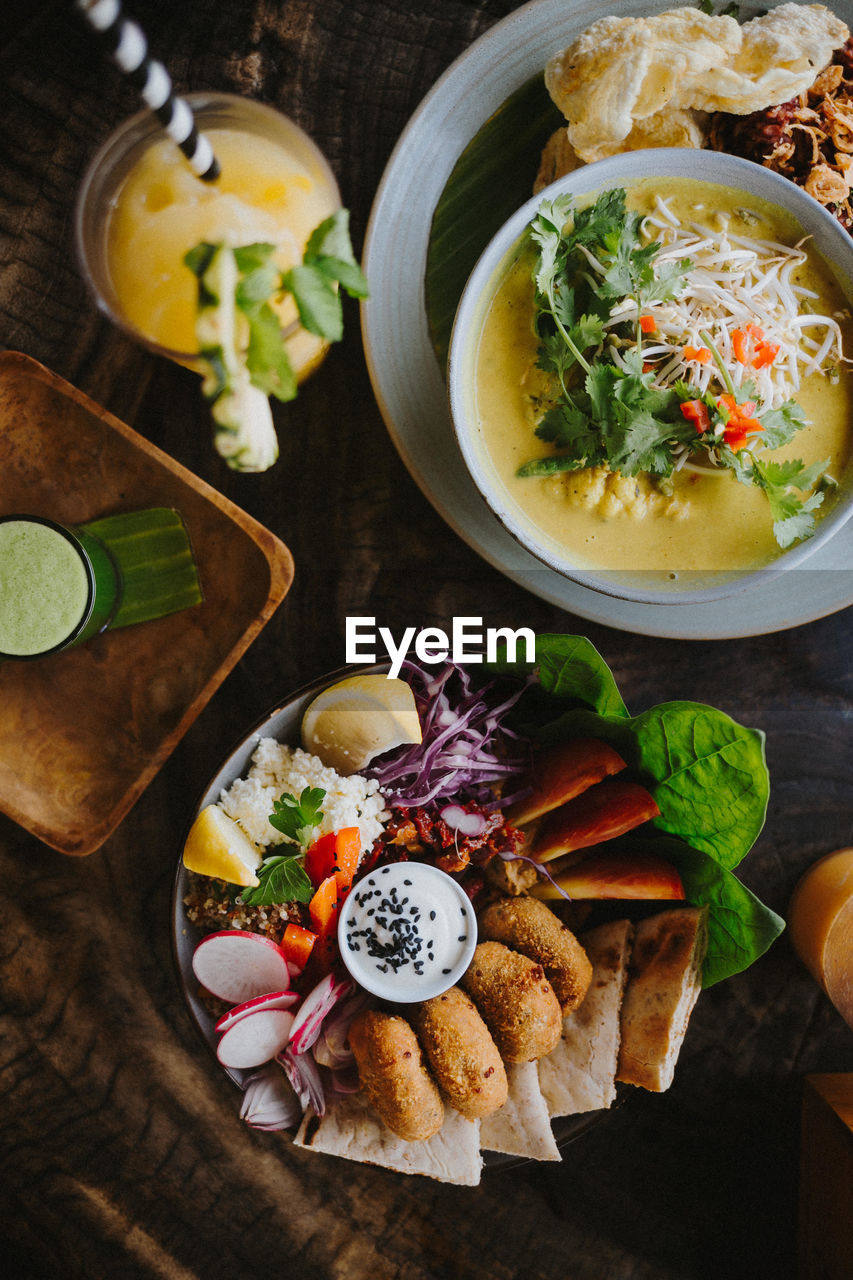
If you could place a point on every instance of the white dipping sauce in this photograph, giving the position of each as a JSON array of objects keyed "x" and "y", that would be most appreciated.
[{"x": 407, "y": 931}]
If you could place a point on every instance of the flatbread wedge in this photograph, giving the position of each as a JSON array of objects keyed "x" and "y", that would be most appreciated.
[
  {"x": 580, "y": 1074},
  {"x": 664, "y": 981},
  {"x": 522, "y": 1126},
  {"x": 352, "y": 1129}
]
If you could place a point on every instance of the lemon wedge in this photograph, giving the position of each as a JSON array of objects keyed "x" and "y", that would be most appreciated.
[
  {"x": 216, "y": 846},
  {"x": 359, "y": 718}
]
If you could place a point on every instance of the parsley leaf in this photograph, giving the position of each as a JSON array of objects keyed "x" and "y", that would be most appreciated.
[
  {"x": 282, "y": 879},
  {"x": 297, "y": 819}
]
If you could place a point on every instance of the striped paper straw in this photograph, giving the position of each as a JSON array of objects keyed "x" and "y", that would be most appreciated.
[{"x": 129, "y": 50}]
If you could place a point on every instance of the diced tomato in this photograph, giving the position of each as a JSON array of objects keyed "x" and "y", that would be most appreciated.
[
  {"x": 696, "y": 411},
  {"x": 755, "y": 331},
  {"x": 701, "y": 355},
  {"x": 739, "y": 346},
  {"x": 647, "y": 324},
  {"x": 297, "y": 944}
]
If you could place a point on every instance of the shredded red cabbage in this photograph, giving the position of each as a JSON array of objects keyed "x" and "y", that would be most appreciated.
[{"x": 466, "y": 746}]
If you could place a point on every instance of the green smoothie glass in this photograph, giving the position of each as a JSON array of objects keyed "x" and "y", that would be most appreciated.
[{"x": 59, "y": 587}]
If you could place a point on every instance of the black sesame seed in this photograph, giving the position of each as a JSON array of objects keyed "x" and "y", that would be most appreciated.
[
  {"x": 445, "y": 971},
  {"x": 407, "y": 882},
  {"x": 432, "y": 915}
]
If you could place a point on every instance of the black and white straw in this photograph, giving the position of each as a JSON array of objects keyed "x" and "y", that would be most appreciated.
[{"x": 128, "y": 47}]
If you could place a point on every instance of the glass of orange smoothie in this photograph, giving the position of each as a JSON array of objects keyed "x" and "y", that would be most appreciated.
[{"x": 140, "y": 208}]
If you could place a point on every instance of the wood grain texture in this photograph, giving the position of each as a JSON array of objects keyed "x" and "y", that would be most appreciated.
[{"x": 122, "y": 1153}]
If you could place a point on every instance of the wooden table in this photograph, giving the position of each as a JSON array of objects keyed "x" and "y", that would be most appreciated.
[{"x": 123, "y": 1154}]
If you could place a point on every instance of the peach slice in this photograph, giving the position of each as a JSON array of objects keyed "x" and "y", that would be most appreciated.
[
  {"x": 604, "y": 811},
  {"x": 562, "y": 772},
  {"x": 615, "y": 875}
]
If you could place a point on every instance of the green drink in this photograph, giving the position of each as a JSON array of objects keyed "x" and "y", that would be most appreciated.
[{"x": 58, "y": 587}]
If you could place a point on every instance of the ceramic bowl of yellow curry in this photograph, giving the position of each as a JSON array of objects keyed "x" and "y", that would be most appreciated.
[{"x": 650, "y": 375}]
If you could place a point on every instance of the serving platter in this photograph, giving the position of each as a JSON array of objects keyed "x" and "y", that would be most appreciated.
[
  {"x": 105, "y": 716},
  {"x": 282, "y": 722},
  {"x": 408, "y": 380}
]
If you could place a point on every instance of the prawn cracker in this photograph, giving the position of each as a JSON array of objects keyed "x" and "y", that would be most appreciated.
[
  {"x": 580, "y": 1074},
  {"x": 522, "y": 1127},
  {"x": 352, "y": 1129},
  {"x": 781, "y": 54},
  {"x": 621, "y": 70}
]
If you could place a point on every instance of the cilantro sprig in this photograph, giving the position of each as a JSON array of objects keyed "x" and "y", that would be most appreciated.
[
  {"x": 606, "y": 408},
  {"x": 282, "y": 876}
]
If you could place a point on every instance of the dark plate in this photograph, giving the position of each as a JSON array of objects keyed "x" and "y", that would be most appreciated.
[{"x": 283, "y": 722}]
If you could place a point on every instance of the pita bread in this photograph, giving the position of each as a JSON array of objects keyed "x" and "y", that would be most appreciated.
[
  {"x": 664, "y": 982},
  {"x": 351, "y": 1129},
  {"x": 580, "y": 1074},
  {"x": 522, "y": 1127}
]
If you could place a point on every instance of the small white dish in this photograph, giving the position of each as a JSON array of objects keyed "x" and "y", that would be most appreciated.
[{"x": 407, "y": 932}]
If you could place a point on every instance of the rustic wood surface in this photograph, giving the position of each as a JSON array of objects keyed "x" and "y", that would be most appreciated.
[{"x": 122, "y": 1152}]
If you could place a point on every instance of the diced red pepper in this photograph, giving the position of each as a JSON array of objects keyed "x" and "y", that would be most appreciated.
[
  {"x": 647, "y": 324},
  {"x": 750, "y": 348},
  {"x": 696, "y": 411},
  {"x": 765, "y": 354},
  {"x": 347, "y": 854},
  {"x": 320, "y": 859},
  {"x": 323, "y": 914},
  {"x": 701, "y": 355},
  {"x": 323, "y": 907},
  {"x": 297, "y": 944}
]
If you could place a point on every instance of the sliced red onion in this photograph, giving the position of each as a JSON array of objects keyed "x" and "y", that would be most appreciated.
[
  {"x": 309, "y": 1017},
  {"x": 540, "y": 867},
  {"x": 331, "y": 1048},
  {"x": 467, "y": 824},
  {"x": 344, "y": 1080},
  {"x": 270, "y": 1101},
  {"x": 304, "y": 1074},
  {"x": 464, "y": 748}
]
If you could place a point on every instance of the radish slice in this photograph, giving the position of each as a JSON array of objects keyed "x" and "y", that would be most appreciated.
[
  {"x": 459, "y": 819},
  {"x": 315, "y": 1006},
  {"x": 236, "y": 965},
  {"x": 275, "y": 1000},
  {"x": 256, "y": 1038}
]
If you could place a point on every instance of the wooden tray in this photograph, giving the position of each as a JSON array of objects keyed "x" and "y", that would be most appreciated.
[{"x": 84, "y": 732}]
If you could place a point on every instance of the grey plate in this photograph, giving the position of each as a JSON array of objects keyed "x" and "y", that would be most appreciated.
[
  {"x": 283, "y": 723},
  {"x": 408, "y": 383}
]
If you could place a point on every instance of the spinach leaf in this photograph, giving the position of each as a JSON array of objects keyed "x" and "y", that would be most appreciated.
[
  {"x": 706, "y": 772},
  {"x": 568, "y": 667},
  {"x": 740, "y": 927}
]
